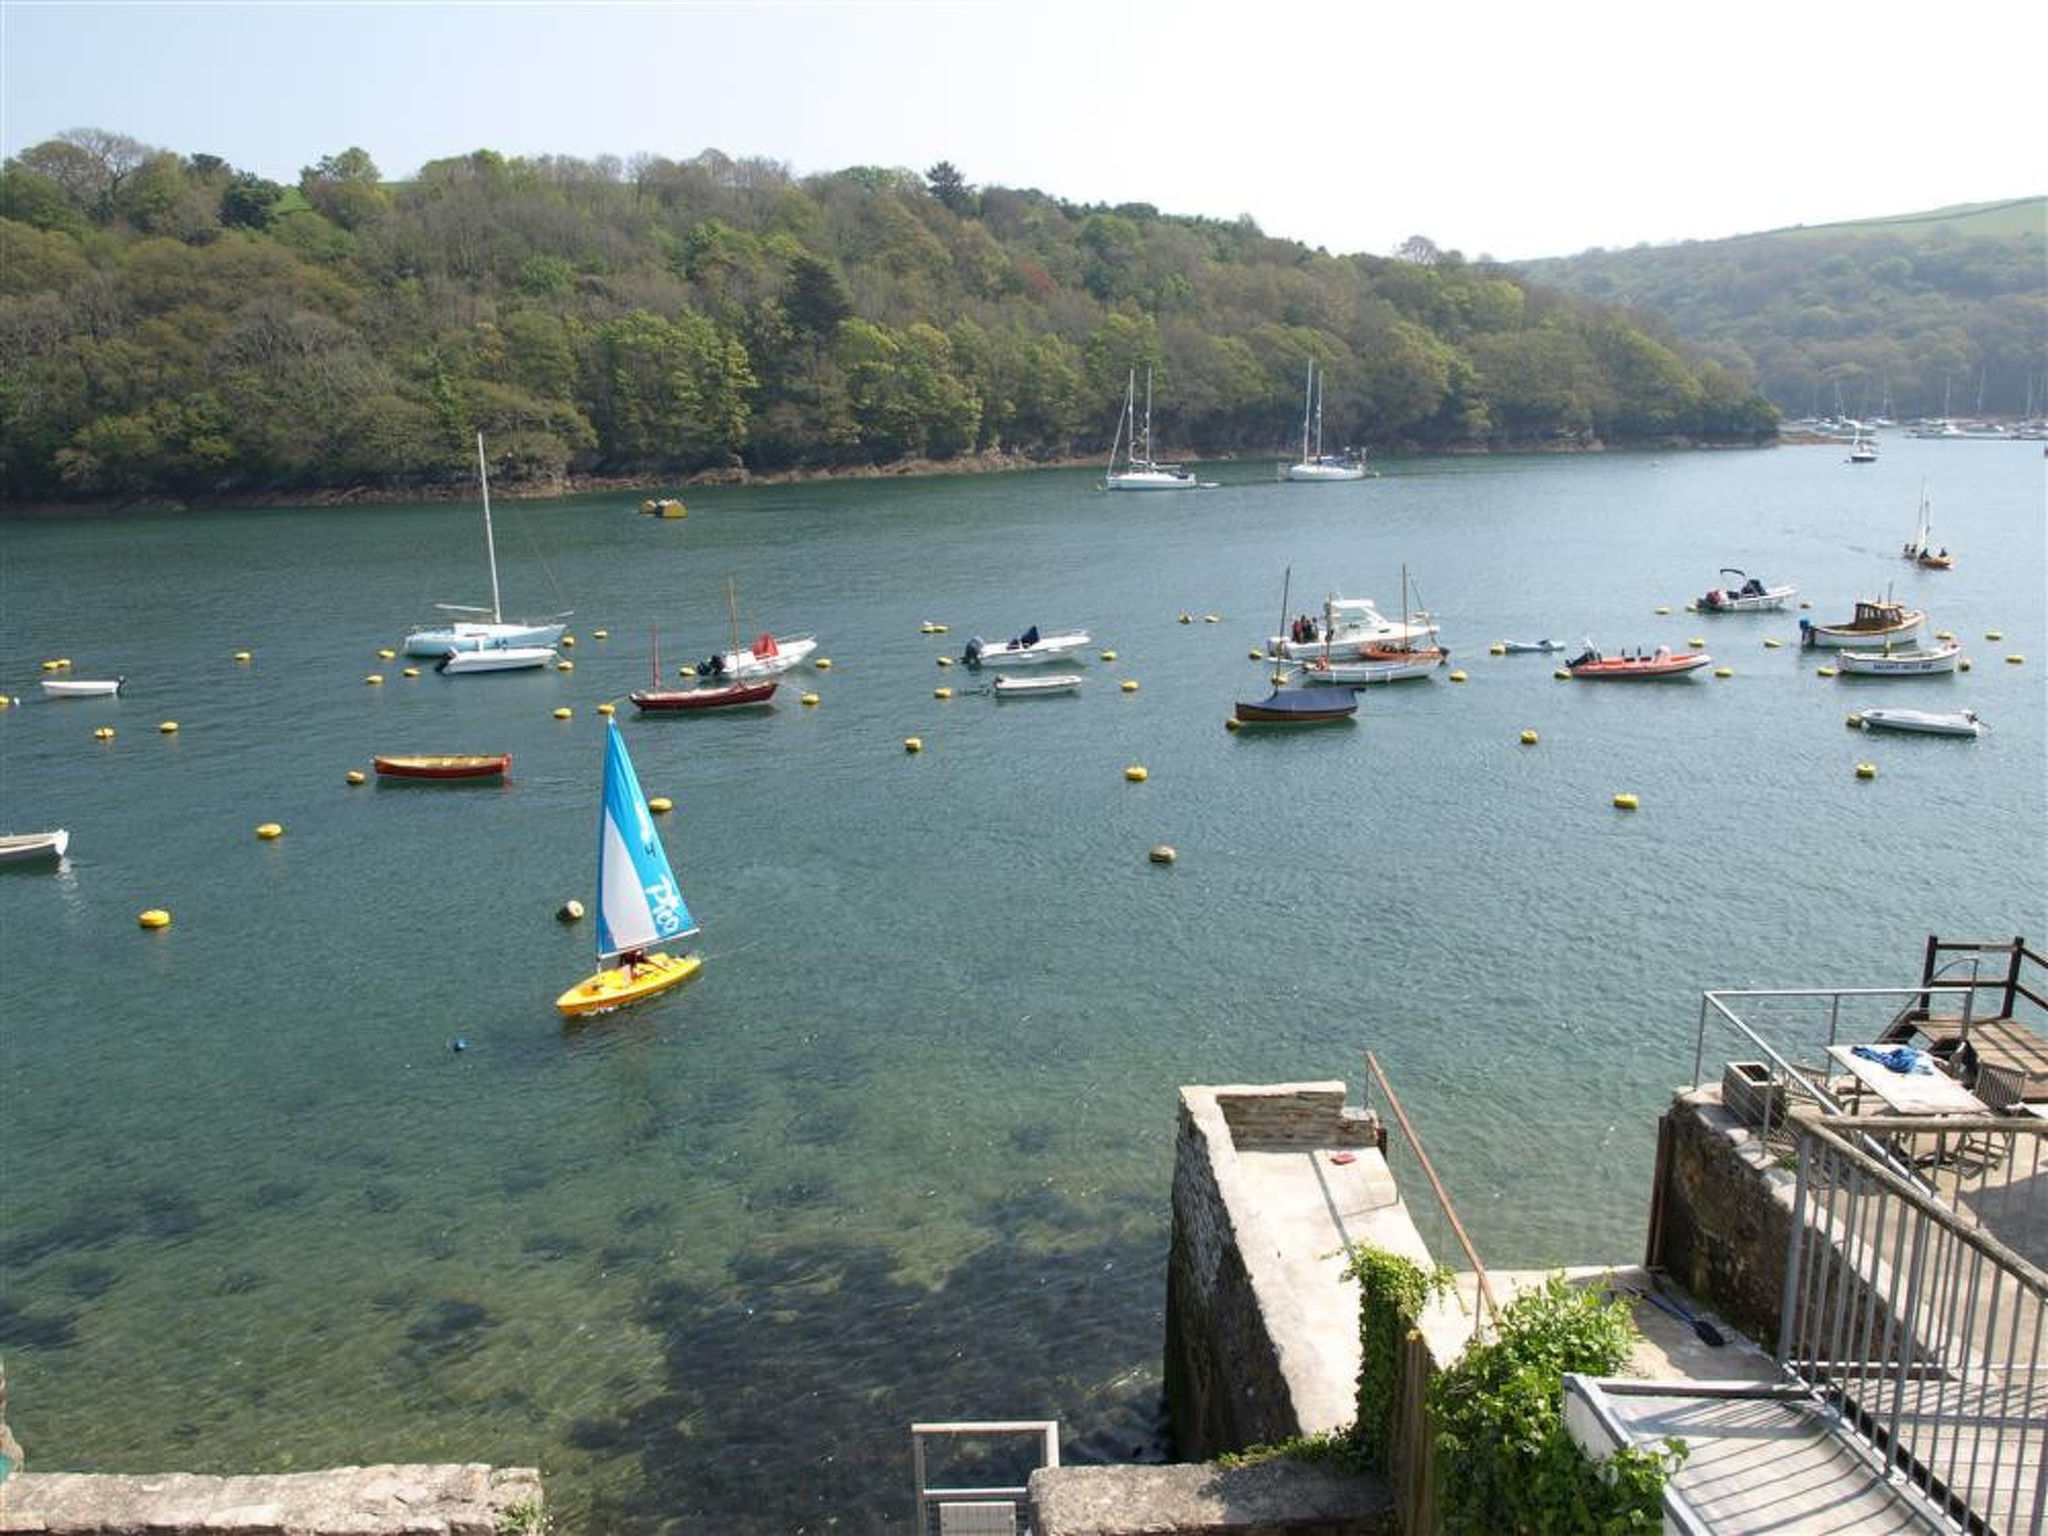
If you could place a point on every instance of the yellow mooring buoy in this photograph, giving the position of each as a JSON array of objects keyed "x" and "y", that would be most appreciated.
[
  {"x": 270, "y": 831},
  {"x": 913, "y": 743},
  {"x": 1163, "y": 854},
  {"x": 1866, "y": 770},
  {"x": 1135, "y": 774},
  {"x": 1625, "y": 802},
  {"x": 155, "y": 917}
]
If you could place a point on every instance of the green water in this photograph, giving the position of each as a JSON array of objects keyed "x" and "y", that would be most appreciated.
[{"x": 903, "y": 1150}]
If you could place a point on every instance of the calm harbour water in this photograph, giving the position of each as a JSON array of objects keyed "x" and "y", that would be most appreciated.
[{"x": 903, "y": 1150}]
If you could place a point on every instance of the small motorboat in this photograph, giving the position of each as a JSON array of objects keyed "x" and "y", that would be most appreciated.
[
  {"x": 34, "y": 847},
  {"x": 1961, "y": 723},
  {"x": 82, "y": 687},
  {"x": 1878, "y": 619},
  {"x": 664, "y": 506},
  {"x": 1913, "y": 661},
  {"x": 1029, "y": 649},
  {"x": 1529, "y": 647},
  {"x": 712, "y": 696},
  {"x": 1299, "y": 706},
  {"x": 1648, "y": 666},
  {"x": 1032, "y": 687},
  {"x": 496, "y": 658},
  {"x": 1347, "y": 623},
  {"x": 1746, "y": 594},
  {"x": 446, "y": 765}
]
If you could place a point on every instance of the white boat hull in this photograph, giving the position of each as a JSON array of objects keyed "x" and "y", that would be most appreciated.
[
  {"x": 442, "y": 639},
  {"x": 745, "y": 666},
  {"x": 1776, "y": 597},
  {"x": 1354, "y": 674},
  {"x": 1964, "y": 723},
  {"x": 502, "y": 658},
  {"x": 1151, "y": 480},
  {"x": 1909, "y": 663},
  {"x": 34, "y": 847},
  {"x": 1029, "y": 687},
  {"x": 81, "y": 687},
  {"x": 1313, "y": 474},
  {"x": 1010, "y": 654}
]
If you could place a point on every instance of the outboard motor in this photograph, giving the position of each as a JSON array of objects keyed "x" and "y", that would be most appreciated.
[{"x": 972, "y": 655}]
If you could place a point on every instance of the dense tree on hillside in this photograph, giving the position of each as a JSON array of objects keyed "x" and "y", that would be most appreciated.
[
  {"x": 172, "y": 326},
  {"x": 1916, "y": 316}
]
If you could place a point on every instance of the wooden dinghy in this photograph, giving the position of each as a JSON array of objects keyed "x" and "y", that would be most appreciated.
[{"x": 446, "y": 765}]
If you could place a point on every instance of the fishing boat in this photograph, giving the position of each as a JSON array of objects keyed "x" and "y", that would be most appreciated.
[
  {"x": 82, "y": 687},
  {"x": 1877, "y": 619},
  {"x": 444, "y": 765},
  {"x": 495, "y": 632},
  {"x": 1913, "y": 661},
  {"x": 1960, "y": 723},
  {"x": 656, "y": 699},
  {"x": 1315, "y": 466},
  {"x": 1632, "y": 666},
  {"x": 1029, "y": 649},
  {"x": 769, "y": 655},
  {"x": 34, "y": 847},
  {"x": 638, "y": 902},
  {"x": 1140, "y": 471},
  {"x": 1920, "y": 549},
  {"x": 1299, "y": 706},
  {"x": 1746, "y": 594},
  {"x": 1033, "y": 687},
  {"x": 1346, "y": 625}
]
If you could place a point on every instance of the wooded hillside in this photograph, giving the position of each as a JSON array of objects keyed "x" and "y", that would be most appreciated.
[
  {"x": 171, "y": 326},
  {"x": 1892, "y": 316}
]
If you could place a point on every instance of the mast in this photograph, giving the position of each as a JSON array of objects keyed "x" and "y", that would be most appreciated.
[
  {"x": 1148, "y": 415},
  {"x": 1319, "y": 424},
  {"x": 1123, "y": 422},
  {"x": 483, "y": 474},
  {"x": 1308, "y": 394},
  {"x": 732, "y": 613}
]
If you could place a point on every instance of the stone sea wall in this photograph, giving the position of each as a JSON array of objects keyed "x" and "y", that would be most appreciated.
[{"x": 1228, "y": 1384}]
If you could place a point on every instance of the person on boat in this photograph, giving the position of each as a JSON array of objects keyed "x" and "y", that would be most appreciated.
[{"x": 631, "y": 960}]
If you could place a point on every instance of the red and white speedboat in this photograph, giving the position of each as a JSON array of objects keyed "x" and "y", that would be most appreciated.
[{"x": 1649, "y": 666}]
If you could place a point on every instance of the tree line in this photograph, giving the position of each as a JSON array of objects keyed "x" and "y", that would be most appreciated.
[{"x": 174, "y": 327}]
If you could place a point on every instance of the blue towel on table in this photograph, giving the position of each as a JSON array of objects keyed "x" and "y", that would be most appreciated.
[{"x": 1900, "y": 1058}]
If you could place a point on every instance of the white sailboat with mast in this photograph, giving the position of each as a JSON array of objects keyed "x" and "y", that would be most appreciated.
[
  {"x": 1317, "y": 467},
  {"x": 1141, "y": 472},
  {"x": 495, "y": 633}
]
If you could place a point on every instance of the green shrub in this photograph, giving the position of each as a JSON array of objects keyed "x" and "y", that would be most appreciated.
[{"x": 1505, "y": 1461}]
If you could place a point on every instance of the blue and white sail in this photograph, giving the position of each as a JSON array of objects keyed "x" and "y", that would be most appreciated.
[{"x": 638, "y": 901}]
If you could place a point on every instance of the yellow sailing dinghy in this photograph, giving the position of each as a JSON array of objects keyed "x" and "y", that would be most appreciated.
[{"x": 639, "y": 903}]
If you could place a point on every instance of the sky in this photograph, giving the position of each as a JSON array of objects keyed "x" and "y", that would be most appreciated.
[{"x": 1511, "y": 130}]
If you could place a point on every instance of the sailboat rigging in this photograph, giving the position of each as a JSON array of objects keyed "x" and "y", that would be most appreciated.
[
  {"x": 1141, "y": 472},
  {"x": 479, "y": 634},
  {"x": 1316, "y": 466},
  {"x": 639, "y": 903}
]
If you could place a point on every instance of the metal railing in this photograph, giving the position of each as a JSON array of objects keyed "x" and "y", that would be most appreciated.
[
  {"x": 1921, "y": 1329},
  {"x": 1805, "y": 1021},
  {"x": 974, "y": 1509},
  {"x": 1488, "y": 1310}
]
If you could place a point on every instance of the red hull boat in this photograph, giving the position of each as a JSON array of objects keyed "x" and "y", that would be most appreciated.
[{"x": 725, "y": 696}]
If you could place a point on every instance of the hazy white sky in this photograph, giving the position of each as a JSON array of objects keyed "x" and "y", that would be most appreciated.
[{"x": 1510, "y": 129}]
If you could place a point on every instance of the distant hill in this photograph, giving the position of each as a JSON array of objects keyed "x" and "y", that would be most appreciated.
[
  {"x": 173, "y": 327},
  {"x": 1911, "y": 313}
]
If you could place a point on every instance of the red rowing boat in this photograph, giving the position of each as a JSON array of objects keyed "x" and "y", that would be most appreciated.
[
  {"x": 1646, "y": 667},
  {"x": 720, "y": 696},
  {"x": 447, "y": 765}
]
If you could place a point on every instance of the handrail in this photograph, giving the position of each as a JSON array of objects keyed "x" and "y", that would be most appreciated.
[{"x": 1490, "y": 1307}]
